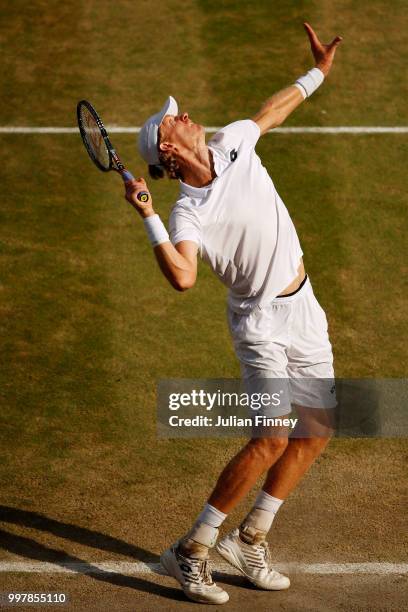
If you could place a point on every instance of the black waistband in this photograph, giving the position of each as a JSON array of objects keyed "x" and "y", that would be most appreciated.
[{"x": 293, "y": 292}]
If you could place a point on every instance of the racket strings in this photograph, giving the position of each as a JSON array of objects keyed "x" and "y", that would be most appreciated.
[{"x": 94, "y": 137}]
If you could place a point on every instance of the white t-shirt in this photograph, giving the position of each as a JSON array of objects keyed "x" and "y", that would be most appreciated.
[{"x": 240, "y": 223}]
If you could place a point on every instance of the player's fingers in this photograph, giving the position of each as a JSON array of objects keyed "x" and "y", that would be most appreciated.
[
  {"x": 312, "y": 34},
  {"x": 135, "y": 185},
  {"x": 131, "y": 182},
  {"x": 139, "y": 182},
  {"x": 336, "y": 41}
]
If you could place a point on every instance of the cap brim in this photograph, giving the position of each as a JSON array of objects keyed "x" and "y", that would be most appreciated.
[
  {"x": 170, "y": 107},
  {"x": 149, "y": 133}
]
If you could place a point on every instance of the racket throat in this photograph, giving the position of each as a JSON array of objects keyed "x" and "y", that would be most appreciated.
[{"x": 117, "y": 164}]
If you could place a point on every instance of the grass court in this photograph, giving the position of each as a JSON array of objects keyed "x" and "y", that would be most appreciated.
[{"x": 89, "y": 325}]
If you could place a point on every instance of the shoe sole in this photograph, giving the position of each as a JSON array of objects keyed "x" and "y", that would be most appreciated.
[
  {"x": 166, "y": 560},
  {"x": 233, "y": 560}
]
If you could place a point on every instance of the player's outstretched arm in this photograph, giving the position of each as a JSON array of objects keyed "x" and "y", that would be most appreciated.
[
  {"x": 283, "y": 103},
  {"x": 277, "y": 108},
  {"x": 179, "y": 263}
]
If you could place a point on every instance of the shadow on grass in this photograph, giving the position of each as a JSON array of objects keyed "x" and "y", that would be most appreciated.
[
  {"x": 96, "y": 539},
  {"x": 31, "y": 549},
  {"x": 234, "y": 580}
]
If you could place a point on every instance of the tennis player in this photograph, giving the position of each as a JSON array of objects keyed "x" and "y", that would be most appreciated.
[{"x": 230, "y": 213}]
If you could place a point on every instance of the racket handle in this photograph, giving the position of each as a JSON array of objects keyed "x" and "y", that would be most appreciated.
[
  {"x": 142, "y": 196},
  {"x": 127, "y": 176}
]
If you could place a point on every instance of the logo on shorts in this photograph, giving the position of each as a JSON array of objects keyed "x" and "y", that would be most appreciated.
[
  {"x": 333, "y": 389},
  {"x": 233, "y": 155}
]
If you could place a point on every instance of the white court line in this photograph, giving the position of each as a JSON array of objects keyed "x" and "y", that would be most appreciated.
[
  {"x": 134, "y": 568},
  {"x": 114, "y": 129}
]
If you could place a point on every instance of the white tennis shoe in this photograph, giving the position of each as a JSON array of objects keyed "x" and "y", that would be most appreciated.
[
  {"x": 194, "y": 576},
  {"x": 252, "y": 560}
]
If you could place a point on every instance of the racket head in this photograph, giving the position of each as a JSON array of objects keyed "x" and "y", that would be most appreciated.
[{"x": 94, "y": 136}]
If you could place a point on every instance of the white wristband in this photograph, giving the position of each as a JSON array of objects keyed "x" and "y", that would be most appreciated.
[
  {"x": 156, "y": 231},
  {"x": 309, "y": 82}
]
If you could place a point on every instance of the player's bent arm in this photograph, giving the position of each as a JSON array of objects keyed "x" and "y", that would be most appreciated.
[
  {"x": 178, "y": 263},
  {"x": 277, "y": 108}
]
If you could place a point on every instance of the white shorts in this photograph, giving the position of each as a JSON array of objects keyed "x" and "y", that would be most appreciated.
[{"x": 286, "y": 339}]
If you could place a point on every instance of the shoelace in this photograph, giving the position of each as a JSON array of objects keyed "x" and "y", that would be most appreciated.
[
  {"x": 205, "y": 572},
  {"x": 268, "y": 558},
  {"x": 201, "y": 570},
  {"x": 266, "y": 554}
]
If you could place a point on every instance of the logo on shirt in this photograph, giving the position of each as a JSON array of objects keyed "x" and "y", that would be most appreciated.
[{"x": 233, "y": 155}]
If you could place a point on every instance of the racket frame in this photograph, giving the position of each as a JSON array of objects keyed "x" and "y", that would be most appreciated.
[{"x": 114, "y": 159}]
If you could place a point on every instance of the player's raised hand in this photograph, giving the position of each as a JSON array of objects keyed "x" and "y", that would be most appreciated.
[
  {"x": 323, "y": 54},
  {"x": 136, "y": 192}
]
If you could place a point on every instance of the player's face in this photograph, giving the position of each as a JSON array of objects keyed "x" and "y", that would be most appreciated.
[{"x": 180, "y": 130}]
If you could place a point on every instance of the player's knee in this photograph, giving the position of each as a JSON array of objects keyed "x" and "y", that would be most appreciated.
[
  {"x": 312, "y": 447},
  {"x": 268, "y": 450}
]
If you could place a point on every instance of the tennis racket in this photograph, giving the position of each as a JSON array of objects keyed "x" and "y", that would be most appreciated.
[{"x": 98, "y": 145}]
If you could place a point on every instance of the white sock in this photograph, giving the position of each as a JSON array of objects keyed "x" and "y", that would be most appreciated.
[
  {"x": 263, "y": 512},
  {"x": 211, "y": 516},
  {"x": 267, "y": 502},
  {"x": 204, "y": 532}
]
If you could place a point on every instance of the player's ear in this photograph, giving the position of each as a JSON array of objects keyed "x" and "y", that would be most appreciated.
[{"x": 167, "y": 146}]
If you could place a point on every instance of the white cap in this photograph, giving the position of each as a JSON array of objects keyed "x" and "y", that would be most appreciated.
[{"x": 149, "y": 132}]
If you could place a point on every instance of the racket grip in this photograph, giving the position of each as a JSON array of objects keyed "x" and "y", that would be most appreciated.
[
  {"x": 142, "y": 196},
  {"x": 127, "y": 176}
]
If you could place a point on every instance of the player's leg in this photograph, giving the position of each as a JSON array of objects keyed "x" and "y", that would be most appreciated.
[
  {"x": 246, "y": 548},
  {"x": 234, "y": 482},
  {"x": 262, "y": 353},
  {"x": 242, "y": 472},
  {"x": 256, "y": 355},
  {"x": 187, "y": 559},
  {"x": 301, "y": 452},
  {"x": 309, "y": 356},
  {"x": 310, "y": 365},
  {"x": 307, "y": 442}
]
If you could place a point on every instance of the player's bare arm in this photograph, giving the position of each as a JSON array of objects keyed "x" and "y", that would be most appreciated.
[
  {"x": 277, "y": 108},
  {"x": 178, "y": 263}
]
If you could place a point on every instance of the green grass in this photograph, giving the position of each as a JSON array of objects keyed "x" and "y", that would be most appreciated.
[
  {"x": 221, "y": 60},
  {"x": 257, "y": 47},
  {"x": 88, "y": 322}
]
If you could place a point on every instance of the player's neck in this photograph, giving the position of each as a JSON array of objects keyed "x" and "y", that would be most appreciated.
[{"x": 198, "y": 168}]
